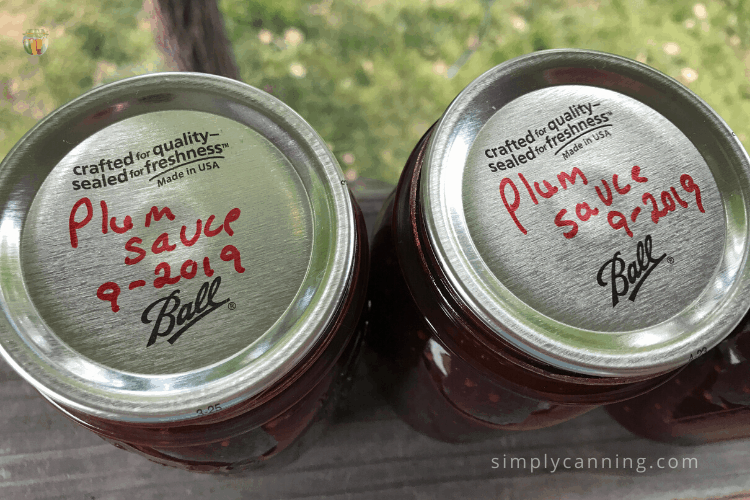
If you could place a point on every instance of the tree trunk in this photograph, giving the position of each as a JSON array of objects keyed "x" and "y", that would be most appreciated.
[{"x": 191, "y": 34}]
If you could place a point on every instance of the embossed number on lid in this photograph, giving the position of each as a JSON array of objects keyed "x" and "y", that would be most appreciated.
[{"x": 592, "y": 211}]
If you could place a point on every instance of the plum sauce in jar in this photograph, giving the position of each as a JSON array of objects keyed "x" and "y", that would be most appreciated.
[
  {"x": 708, "y": 401},
  {"x": 570, "y": 233},
  {"x": 184, "y": 270}
]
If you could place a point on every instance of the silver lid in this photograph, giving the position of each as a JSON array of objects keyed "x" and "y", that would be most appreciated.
[
  {"x": 592, "y": 211},
  {"x": 168, "y": 243}
]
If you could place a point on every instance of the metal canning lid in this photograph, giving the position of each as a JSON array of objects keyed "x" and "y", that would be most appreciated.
[
  {"x": 591, "y": 211},
  {"x": 168, "y": 243}
]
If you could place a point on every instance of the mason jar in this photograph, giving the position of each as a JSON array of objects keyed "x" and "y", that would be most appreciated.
[
  {"x": 708, "y": 401},
  {"x": 570, "y": 233},
  {"x": 183, "y": 269}
]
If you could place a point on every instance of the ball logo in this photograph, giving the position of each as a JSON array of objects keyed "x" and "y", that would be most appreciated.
[
  {"x": 623, "y": 275},
  {"x": 35, "y": 41}
]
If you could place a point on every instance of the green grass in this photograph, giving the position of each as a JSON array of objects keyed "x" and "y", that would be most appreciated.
[{"x": 371, "y": 76}]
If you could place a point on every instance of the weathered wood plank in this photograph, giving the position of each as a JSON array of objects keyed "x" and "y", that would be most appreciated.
[{"x": 367, "y": 453}]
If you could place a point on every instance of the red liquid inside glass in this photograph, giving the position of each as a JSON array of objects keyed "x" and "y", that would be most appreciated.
[
  {"x": 286, "y": 417},
  {"x": 707, "y": 401},
  {"x": 444, "y": 371}
]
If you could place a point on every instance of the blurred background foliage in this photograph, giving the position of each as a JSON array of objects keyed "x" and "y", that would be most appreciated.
[{"x": 372, "y": 75}]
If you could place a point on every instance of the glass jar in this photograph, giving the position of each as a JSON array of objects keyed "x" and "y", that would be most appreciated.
[
  {"x": 184, "y": 270},
  {"x": 522, "y": 275},
  {"x": 708, "y": 401}
]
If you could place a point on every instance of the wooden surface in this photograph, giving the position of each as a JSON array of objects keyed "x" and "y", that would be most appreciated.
[{"x": 366, "y": 453}]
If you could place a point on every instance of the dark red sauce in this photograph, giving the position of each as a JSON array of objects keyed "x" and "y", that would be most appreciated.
[
  {"x": 279, "y": 422},
  {"x": 708, "y": 401},
  {"x": 444, "y": 371}
]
